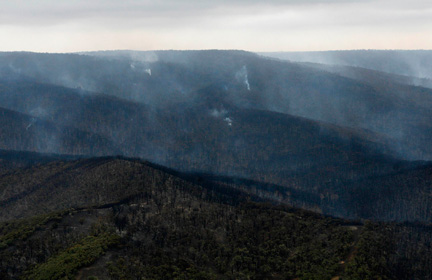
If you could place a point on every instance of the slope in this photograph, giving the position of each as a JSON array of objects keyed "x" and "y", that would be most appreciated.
[
  {"x": 28, "y": 133},
  {"x": 136, "y": 220},
  {"x": 209, "y": 134},
  {"x": 404, "y": 195}
]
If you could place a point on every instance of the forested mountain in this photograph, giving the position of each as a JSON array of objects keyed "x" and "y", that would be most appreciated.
[
  {"x": 203, "y": 160},
  {"x": 96, "y": 218},
  {"x": 227, "y": 113},
  {"x": 186, "y": 79},
  {"x": 212, "y": 137}
]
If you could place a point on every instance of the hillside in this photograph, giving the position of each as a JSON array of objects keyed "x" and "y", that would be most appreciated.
[
  {"x": 399, "y": 196},
  {"x": 33, "y": 183},
  {"x": 164, "y": 80},
  {"x": 28, "y": 133},
  {"x": 211, "y": 136},
  {"x": 133, "y": 219},
  {"x": 58, "y": 185}
]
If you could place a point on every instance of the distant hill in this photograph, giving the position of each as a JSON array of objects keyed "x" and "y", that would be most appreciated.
[
  {"x": 385, "y": 81},
  {"x": 413, "y": 63},
  {"x": 165, "y": 80},
  {"x": 213, "y": 136}
]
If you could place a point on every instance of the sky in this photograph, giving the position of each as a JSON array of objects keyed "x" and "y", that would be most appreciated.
[{"x": 271, "y": 25}]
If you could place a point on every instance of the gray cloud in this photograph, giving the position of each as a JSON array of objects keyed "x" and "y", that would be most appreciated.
[
  {"x": 43, "y": 12},
  {"x": 280, "y": 24},
  {"x": 52, "y": 12}
]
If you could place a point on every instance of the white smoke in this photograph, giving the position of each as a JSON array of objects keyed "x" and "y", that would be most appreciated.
[
  {"x": 14, "y": 69},
  {"x": 133, "y": 66},
  {"x": 229, "y": 121},
  {"x": 242, "y": 76},
  {"x": 32, "y": 121},
  {"x": 151, "y": 57},
  {"x": 39, "y": 112},
  {"x": 146, "y": 57},
  {"x": 218, "y": 113},
  {"x": 221, "y": 114}
]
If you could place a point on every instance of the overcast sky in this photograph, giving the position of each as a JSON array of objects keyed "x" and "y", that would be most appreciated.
[{"x": 256, "y": 25}]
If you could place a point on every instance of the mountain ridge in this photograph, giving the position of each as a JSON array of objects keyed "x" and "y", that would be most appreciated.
[{"x": 192, "y": 230}]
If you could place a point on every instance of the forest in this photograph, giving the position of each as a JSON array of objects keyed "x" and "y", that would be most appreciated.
[{"x": 189, "y": 231}]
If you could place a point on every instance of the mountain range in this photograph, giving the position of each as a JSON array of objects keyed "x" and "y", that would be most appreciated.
[{"x": 116, "y": 150}]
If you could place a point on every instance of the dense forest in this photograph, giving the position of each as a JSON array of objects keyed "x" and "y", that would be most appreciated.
[{"x": 74, "y": 226}]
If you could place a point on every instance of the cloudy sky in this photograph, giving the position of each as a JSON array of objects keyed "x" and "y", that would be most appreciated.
[{"x": 255, "y": 25}]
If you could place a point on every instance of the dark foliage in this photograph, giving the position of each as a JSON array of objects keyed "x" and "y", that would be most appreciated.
[{"x": 146, "y": 222}]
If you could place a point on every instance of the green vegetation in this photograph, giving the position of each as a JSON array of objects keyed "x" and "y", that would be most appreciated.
[
  {"x": 23, "y": 228},
  {"x": 65, "y": 264},
  {"x": 253, "y": 241},
  {"x": 373, "y": 252}
]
